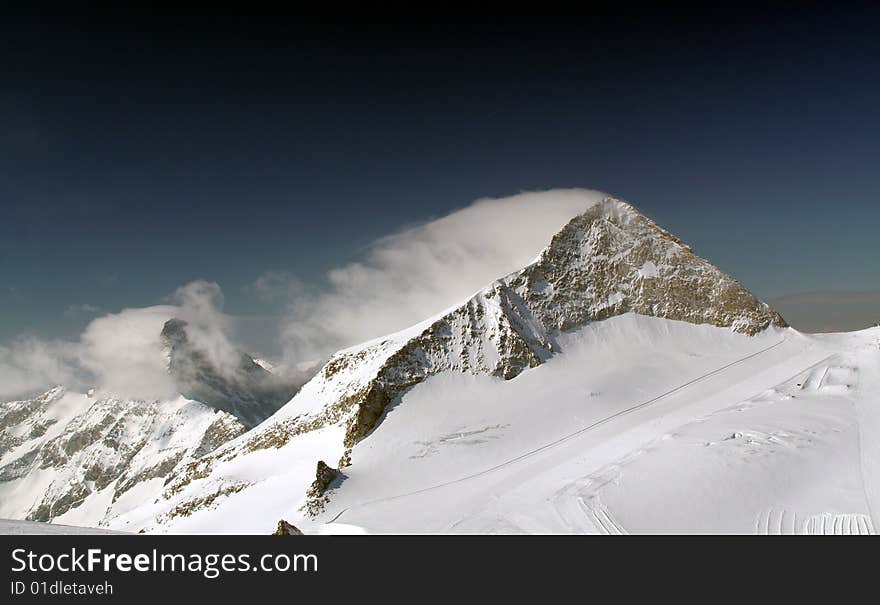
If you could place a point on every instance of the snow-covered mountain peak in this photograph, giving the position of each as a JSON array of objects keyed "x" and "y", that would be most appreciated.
[
  {"x": 90, "y": 458},
  {"x": 612, "y": 259},
  {"x": 607, "y": 261}
]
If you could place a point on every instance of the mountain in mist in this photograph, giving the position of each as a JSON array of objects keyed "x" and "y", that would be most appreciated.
[
  {"x": 94, "y": 454},
  {"x": 243, "y": 388}
]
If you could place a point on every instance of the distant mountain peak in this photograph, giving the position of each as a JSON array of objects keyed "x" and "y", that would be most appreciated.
[
  {"x": 245, "y": 389},
  {"x": 61, "y": 448},
  {"x": 101, "y": 446}
]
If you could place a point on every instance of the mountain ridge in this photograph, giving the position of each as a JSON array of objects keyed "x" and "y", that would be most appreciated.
[
  {"x": 607, "y": 261},
  {"x": 61, "y": 448}
]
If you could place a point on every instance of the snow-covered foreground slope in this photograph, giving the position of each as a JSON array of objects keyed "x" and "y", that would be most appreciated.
[
  {"x": 35, "y": 528},
  {"x": 642, "y": 425}
]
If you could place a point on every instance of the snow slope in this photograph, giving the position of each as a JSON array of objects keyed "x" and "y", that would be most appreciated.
[
  {"x": 35, "y": 528},
  {"x": 642, "y": 425},
  {"x": 83, "y": 459}
]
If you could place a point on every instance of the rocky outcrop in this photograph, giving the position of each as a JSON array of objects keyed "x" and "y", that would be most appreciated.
[
  {"x": 315, "y": 496},
  {"x": 612, "y": 260},
  {"x": 324, "y": 474},
  {"x": 286, "y": 529},
  {"x": 188, "y": 507}
]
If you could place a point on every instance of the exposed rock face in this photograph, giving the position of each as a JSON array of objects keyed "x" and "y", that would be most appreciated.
[
  {"x": 246, "y": 389},
  {"x": 315, "y": 497},
  {"x": 607, "y": 261},
  {"x": 323, "y": 476},
  {"x": 613, "y": 260},
  {"x": 286, "y": 529}
]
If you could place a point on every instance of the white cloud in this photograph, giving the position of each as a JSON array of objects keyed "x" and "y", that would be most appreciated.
[
  {"x": 121, "y": 353},
  {"x": 31, "y": 364},
  {"x": 423, "y": 270},
  {"x": 200, "y": 304},
  {"x": 404, "y": 279},
  {"x": 124, "y": 355}
]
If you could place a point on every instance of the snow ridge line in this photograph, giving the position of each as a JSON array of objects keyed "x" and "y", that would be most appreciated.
[{"x": 561, "y": 439}]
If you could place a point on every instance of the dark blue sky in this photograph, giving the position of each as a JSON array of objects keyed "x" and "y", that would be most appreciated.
[{"x": 139, "y": 154}]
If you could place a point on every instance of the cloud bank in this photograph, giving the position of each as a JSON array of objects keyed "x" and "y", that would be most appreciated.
[
  {"x": 121, "y": 354},
  {"x": 200, "y": 304},
  {"x": 403, "y": 279},
  {"x": 421, "y": 271},
  {"x": 30, "y": 364}
]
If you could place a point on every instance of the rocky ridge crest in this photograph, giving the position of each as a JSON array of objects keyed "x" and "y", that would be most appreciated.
[{"x": 605, "y": 262}]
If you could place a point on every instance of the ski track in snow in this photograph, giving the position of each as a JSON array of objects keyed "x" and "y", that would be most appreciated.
[
  {"x": 800, "y": 410},
  {"x": 568, "y": 437},
  {"x": 784, "y": 522},
  {"x": 822, "y": 376},
  {"x": 601, "y": 517}
]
